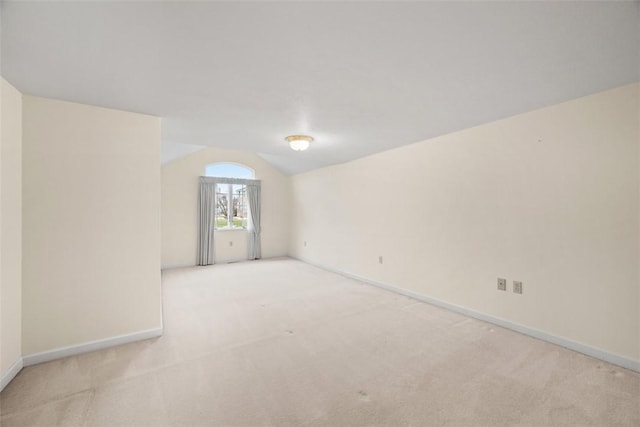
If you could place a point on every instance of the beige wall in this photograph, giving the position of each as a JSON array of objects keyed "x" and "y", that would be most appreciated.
[
  {"x": 10, "y": 226},
  {"x": 179, "y": 209},
  {"x": 91, "y": 235},
  {"x": 549, "y": 198}
]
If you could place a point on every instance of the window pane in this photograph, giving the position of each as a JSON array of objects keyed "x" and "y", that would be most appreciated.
[
  {"x": 231, "y": 206},
  {"x": 222, "y": 205},
  {"x": 239, "y": 206},
  {"x": 229, "y": 170}
]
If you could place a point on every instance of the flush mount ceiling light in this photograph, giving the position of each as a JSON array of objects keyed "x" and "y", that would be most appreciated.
[{"x": 299, "y": 142}]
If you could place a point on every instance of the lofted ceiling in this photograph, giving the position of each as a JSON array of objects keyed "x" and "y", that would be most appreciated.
[{"x": 360, "y": 77}]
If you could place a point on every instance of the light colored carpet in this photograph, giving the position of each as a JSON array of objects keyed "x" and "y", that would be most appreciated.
[{"x": 279, "y": 342}]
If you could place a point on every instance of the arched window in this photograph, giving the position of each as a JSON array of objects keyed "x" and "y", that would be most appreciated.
[
  {"x": 231, "y": 196},
  {"x": 229, "y": 170}
]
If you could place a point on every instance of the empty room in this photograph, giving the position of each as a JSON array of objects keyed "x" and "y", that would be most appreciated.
[{"x": 319, "y": 213}]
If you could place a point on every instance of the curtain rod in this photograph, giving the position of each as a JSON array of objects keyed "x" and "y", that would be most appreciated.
[{"x": 215, "y": 179}]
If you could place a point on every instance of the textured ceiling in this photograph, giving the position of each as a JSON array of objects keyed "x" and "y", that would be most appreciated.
[{"x": 360, "y": 77}]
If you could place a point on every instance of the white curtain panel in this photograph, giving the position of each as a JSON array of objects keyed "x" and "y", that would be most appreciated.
[
  {"x": 206, "y": 218},
  {"x": 253, "y": 197},
  {"x": 207, "y": 213}
]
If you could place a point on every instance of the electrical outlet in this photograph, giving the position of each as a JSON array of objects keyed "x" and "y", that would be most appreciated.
[
  {"x": 380, "y": 259},
  {"x": 230, "y": 243},
  {"x": 305, "y": 243},
  {"x": 502, "y": 284},
  {"x": 517, "y": 287}
]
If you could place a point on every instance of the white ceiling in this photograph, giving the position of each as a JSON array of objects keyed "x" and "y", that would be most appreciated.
[{"x": 360, "y": 77}]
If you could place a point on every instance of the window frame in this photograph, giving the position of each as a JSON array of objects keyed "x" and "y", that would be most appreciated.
[
  {"x": 230, "y": 181},
  {"x": 229, "y": 193}
]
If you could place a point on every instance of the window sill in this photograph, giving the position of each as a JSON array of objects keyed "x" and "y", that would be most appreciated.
[{"x": 230, "y": 229}]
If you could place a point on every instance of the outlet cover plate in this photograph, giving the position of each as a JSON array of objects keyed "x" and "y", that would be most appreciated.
[
  {"x": 517, "y": 287},
  {"x": 502, "y": 284}
]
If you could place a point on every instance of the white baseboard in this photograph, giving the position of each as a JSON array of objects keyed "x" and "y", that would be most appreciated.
[
  {"x": 217, "y": 262},
  {"x": 223, "y": 261},
  {"x": 11, "y": 373},
  {"x": 174, "y": 266},
  {"x": 72, "y": 350},
  {"x": 588, "y": 350}
]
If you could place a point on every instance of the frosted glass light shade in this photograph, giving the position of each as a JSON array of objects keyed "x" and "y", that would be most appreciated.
[{"x": 299, "y": 142}]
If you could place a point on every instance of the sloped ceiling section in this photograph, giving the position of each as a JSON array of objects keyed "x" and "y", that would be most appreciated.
[{"x": 360, "y": 77}]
